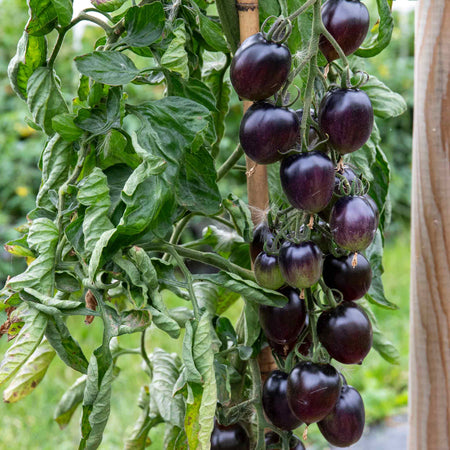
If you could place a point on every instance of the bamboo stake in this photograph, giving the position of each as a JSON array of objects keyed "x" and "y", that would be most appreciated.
[{"x": 257, "y": 189}]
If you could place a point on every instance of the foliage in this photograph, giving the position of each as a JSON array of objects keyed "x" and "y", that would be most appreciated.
[{"x": 119, "y": 182}]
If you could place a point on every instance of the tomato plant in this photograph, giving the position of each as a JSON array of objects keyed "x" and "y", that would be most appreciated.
[{"x": 122, "y": 181}]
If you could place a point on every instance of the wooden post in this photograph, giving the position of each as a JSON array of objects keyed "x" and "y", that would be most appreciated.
[
  {"x": 257, "y": 189},
  {"x": 429, "y": 389}
]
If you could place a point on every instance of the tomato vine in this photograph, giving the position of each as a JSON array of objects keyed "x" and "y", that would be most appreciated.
[{"x": 121, "y": 182}]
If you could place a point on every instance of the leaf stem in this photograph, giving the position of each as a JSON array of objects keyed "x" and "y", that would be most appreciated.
[
  {"x": 312, "y": 321},
  {"x": 302, "y": 9},
  {"x": 143, "y": 352},
  {"x": 230, "y": 162}
]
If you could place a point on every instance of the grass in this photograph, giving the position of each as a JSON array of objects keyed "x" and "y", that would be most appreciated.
[{"x": 29, "y": 424}]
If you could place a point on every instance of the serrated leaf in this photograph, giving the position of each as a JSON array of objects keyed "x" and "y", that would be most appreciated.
[
  {"x": 175, "y": 58},
  {"x": 66, "y": 346},
  {"x": 385, "y": 103},
  {"x": 248, "y": 289},
  {"x": 108, "y": 5},
  {"x": 94, "y": 193},
  {"x": 42, "y": 237},
  {"x": 69, "y": 402},
  {"x": 26, "y": 342},
  {"x": 144, "y": 24},
  {"x": 64, "y": 11},
  {"x": 56, "y": 161},
  {"x": 213, "y": 297},
  {"x": 43, "y": 17},
  {"x": 31, "y": 53},
  {"x": 44, "y": 98},
  {"x": 384, "y": 347},
  {"x": 165, "y": 374},
  {"x": 252, "y": 327},
  {"x": 64, "y": 125},
  {"x": 97, "y": 65},
  {"x": 30, "y": 374}
]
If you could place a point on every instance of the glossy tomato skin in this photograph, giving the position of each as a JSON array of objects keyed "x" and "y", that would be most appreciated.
[
  {"x": 348, "y": 22},
  {"x": 272, "y": 438},
  {"x": 307, "y": 180},
  {"x": 301, "y": 264},
  {"x": 352, "y": 282},
  {"x": 233, "y": 437},
  {"x": 275, "y": 403},
  {"x": 346, "y": 333},
  {"x": 284, "y": 325},
  {"x": 346, "y": 116},
  {"x": 345, "y": 424},
  {"x": 266, "y": 130},
  {"x": 259, "y": 68},
  {"x": 267, "y": 271},
  {"x": 283, "y": 350},
  {"x": 341, "y": 188},
  {"x": 261, "y": 235},
  {"x": 313, "y": 390},
  {"x": 353, "y": 223},
  {"x": 374, "y": 206}
]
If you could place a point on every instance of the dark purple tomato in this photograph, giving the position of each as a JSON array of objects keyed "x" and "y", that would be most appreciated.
[
  {"x": 266, "y": 130},
  {"x": 283, "y": 325},
  {"x": 352, "y": 223},
  {"x": 346, "y": 333},
  {"x": 271, "y": 438},
  {"x": 313, "y": 390},
  {"x": 307, "y": 180},
  {"x": 275, "y": 403},
  {"x": 352, "y": 282},
  {"x": 259, "y": 68},
  {"x": 340, "y": 188},
  {"x": 345, "y": 424},
  {"x": 261, "y": 235},
  {"x": 374, "y": 207},
  {"x": 346, "y": 116},
  {"x": 233, "y": 437},
  {"x": 301, "y": 264},
  {"x": 283, "y": 350},
  {"x": 267, "y": 271},
  {"x": 348, "y": 22}
]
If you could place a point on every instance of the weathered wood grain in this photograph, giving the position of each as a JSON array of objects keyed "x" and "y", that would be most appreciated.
[{"x": 429, "y": 392}]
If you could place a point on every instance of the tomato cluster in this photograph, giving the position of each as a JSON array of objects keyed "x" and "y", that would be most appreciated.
[{"x": 335, "y": 220}]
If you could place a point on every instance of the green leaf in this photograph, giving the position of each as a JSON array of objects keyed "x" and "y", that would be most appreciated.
[
  {"x": 42, "y": 237},
  {"x": 240, "y": 215},
  {"x": 166, "y": 369},
  {"x": 221, "y": 89},
  {"x": 96, "y": 399},
  {"x": 43, "y": 17},
  {"x": 214, "y": 298},
  {"x": 374, "y": 254},
  {"x": 66, "y": 346},
  {"x": 161, "y": 316},
  {"x": 30, "y": 374},
  {"x": 26, "y": 342},
  {"x": 386, "y": 103},
  {"x": 379, "y": 187},
  {"x": 69, "y": 402},
  {"x": 144, "y": 25},
  {"x": 248, "y": 289},
  {"x": 252, "y": 327},
  {"x": 383, "y": 29},
  {"x": 210, "y": 32},
  {"x": 384, "y": 347},
  {"x": 197, "y": 189},
  {"x": 94, "y": 193},
  {"x": 31, "y": 54},
  {"x": 192, "y": 373},
  {"x": 65, "y": 126},
  {"x": 66, "y": 282},
  {"x": 101, "y": 119},
  {"x": 56, "y": 162},
  {"x": 107, "y": 67},
  {"x": 175, "y": 58},
  {"x": 364, "y": 158},
  {"x": 44, "y": 98},
  {"x": 108, "y": 5},
  {"x": 229, "y": 20},
  {"x": 64, "y": 11}
]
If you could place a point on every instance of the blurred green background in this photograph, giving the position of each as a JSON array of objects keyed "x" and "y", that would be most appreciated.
[{"x": 29, "y": 424}]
